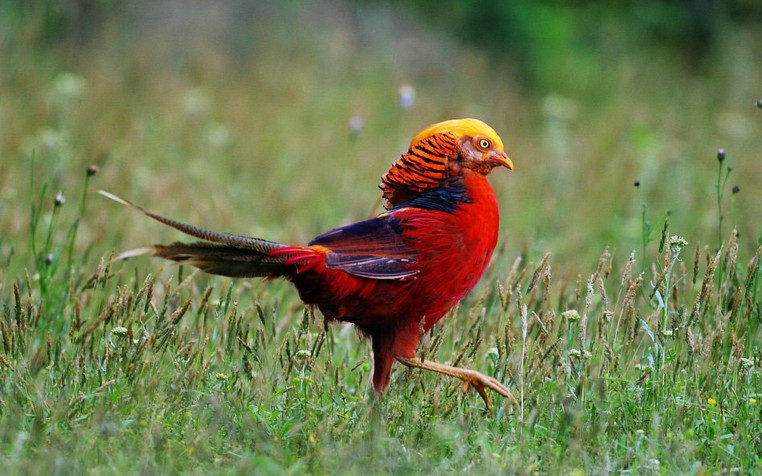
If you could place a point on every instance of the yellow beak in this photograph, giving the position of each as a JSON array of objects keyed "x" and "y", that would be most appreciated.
[{"x": 503, "y": 160}]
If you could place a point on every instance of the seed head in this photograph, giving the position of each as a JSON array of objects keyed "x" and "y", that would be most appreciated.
[
  {"x": 637, "y": 183},
  {"x": 49, "y": 258},
  {"x": 758, "y": 103},
  {"x": 92, "y": 170},
  {"x": 60, "y": 199},
  {"x": 736, "y": 189},
  {"x": 721, "y": 155}
]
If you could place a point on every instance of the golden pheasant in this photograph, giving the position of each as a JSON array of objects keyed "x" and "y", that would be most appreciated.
[{"x": 397, "y": 274}]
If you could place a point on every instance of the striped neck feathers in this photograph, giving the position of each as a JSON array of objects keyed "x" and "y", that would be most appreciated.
[{"x": 423, "y": 168}]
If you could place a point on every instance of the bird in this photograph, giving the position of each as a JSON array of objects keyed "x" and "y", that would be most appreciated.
[{"x": 392, "y": 276}]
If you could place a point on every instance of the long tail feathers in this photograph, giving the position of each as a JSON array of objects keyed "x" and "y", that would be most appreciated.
[{"x": 221, "y": 253}]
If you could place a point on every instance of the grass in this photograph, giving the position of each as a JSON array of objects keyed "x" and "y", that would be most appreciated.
[
  {"x": 631, "y": 351},
  {"x": 188, "y": 374}
]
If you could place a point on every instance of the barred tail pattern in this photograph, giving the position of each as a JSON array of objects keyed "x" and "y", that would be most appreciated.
[{"x": 220, "y": 253}]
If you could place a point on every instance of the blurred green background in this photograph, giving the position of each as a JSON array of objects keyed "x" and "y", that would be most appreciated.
[{"x": 276, "y": 119}]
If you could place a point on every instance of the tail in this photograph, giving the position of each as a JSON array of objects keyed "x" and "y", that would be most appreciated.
[{"x": 220, "y": 253}]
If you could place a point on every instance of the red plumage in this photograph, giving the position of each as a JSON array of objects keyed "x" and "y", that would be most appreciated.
[
  {"x": 451, "y": 251},
  {"x": 398, "y": 272}
]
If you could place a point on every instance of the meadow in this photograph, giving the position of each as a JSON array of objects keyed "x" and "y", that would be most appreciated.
[{"x": 622, "y": 306}]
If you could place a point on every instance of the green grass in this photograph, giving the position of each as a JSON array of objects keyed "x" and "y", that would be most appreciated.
[{"x": 644, "y": 365}]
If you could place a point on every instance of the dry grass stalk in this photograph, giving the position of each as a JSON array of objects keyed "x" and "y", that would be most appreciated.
[
  {"x": 108, "y": 311},
  {"x": 538, "y": 269}
]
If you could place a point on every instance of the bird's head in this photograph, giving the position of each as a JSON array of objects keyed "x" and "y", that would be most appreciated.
[
  {"x": 478, "y": 147},
  {"x": 440, "y": 151}
]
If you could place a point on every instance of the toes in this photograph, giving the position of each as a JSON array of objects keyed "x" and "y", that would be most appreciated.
[
  {"x": 483, "y": 393},
  {"x": 501, "y": 389},
  {"x": 478, "y": 381}
]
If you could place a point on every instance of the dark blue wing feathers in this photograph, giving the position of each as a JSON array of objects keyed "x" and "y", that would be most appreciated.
[
  {"x": 446, "y": 198},
  {"x": 371, "y": 249},
  {"x": 374, "y": 248}
]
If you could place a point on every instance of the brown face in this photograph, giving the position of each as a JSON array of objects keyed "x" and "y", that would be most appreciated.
[{"x": 479, "y": 154}]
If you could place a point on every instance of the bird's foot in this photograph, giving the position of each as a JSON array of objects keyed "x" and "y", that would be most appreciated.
[
  {"x": 471, "y": 378},
  {"x": 477, "y": 380}
]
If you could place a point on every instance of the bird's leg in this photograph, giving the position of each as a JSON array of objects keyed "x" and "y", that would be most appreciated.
[{"x": 471, "y": 378}]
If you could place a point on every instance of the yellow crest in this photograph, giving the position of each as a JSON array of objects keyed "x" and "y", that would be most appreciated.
[{"x": 461, "y": 127}]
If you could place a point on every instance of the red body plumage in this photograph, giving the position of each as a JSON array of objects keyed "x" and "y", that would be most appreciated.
[{"x": 452, "y": 250}]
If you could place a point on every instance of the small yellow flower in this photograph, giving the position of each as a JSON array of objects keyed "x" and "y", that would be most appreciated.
[
  {"x": 711, "y": 401},
  {"x": 752, "y": 401},
  {"x": 221, "y": 376},
  {"x": 188, "y": 414}
]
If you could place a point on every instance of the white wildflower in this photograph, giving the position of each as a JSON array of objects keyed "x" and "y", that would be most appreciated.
[
  {"x": 676, "y": 244},
  {"x": 571, "y": 315},
  {"x": 407, "y": 96},
  {"x": 746, "y": 364}
]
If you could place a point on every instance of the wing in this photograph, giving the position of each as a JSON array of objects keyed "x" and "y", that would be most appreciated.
[{"x": 370, "y": 249}]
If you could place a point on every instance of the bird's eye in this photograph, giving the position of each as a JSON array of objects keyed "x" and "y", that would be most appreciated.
[{"x": 484, "y": 144}]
